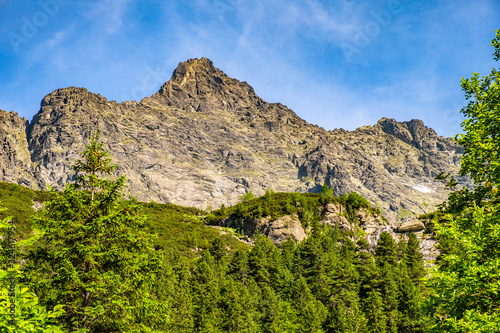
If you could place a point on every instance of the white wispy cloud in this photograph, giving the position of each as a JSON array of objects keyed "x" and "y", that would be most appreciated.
[{"x": 107, "y": 14}]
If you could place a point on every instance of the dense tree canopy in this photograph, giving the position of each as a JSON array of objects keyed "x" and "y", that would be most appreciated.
[{"x": 465, "y": 285}]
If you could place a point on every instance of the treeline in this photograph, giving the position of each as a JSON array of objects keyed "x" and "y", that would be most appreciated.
[
  {"x": 327, "y": 283},
  {"x": 305, "y": 205}
]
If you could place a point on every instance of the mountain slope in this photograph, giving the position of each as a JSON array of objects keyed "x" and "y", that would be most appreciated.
[{"x": 204, "y": 139}]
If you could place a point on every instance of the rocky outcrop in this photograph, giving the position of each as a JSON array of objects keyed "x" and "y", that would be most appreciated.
[
  {"x": 414, "y": 225},
  {"x": 282, "y": 228},
  {"x": 204, "y": 139},
  {"x": 15, "y": 162},
  {"x": 334, "y": 213},
  {"x": 278, "y": 230},
  {"x": 364, "y": 223}
]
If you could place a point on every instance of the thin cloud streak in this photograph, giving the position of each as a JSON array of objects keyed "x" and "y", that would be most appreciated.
[{"x": 107, "y": 14}]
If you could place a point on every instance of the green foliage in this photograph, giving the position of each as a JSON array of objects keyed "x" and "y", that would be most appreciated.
[
  {"x": 305, "y": 205},
  {"x": 217, "y": 249},
  {"x": 377, "y": 320},
  {"x": 181, "y": 230},
  {"x": 326, "y": 194},
  {"x": 247, "y": 197},
  {"x": 273, "y": 205},
  {"x": 353, "y": 202},
  {"x": 463, "y": 198},
  {"x": 320, "y": 285},
  {"x": 413, "y": 258},
  {"x": 30, "y": 315},
  {"x": 386, "y": 250},
  {"x": 357, "y": 201},
  {"x": 465, "y": 289},
  {"x": 93, "y": 256},
  {"x": 481, "y": 140},
  {"x": 19, "y": 201}
]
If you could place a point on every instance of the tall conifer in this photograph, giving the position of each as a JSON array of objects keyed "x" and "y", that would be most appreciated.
[{"x": 93, "y": 257}]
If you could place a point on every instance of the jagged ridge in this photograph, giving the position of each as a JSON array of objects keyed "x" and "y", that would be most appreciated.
[{"x": 204, "y": 139}]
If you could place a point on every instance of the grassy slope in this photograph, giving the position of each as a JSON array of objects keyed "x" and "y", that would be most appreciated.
[
  {"x": 183, "y": 229},
  {"x": 19, "y": 201},
  {"x": 178, "y": 228}
]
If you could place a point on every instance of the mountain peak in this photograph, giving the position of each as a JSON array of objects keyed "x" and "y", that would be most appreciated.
[
  {"x": 194, "y": 65},
  {"x": 197, "y": 85}
]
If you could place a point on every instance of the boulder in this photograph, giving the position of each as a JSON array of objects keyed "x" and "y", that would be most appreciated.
[
  {"x": 414, "y": 225},
  {"x": 279, "y": 229}
]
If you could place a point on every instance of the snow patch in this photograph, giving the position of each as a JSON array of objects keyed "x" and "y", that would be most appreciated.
[{"x": 422, "y": 188}]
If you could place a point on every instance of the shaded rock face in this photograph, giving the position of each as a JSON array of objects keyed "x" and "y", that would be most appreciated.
[
  {"x": 204, "y": 139},
  {"x": 15, "y": 163}
]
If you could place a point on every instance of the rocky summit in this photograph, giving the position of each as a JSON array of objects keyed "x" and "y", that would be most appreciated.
[{"x": 204, "y": 139}]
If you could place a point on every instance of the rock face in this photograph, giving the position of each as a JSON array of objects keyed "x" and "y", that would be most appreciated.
[
  {"x": 278, "y": 230},
  {"x": 204, "y": 139},
  {"x": 334, "y": 213},
  {"x": 15, "y": 163}
]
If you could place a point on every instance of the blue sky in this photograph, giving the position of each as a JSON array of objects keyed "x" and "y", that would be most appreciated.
[{"x": 337, "y": 64}]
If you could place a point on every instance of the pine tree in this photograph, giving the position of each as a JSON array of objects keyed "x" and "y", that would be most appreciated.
[
  {"x": 238, "y": 306},
  {"x": 375, "y": 314},
  {"x": 401, "y": 247},
  {"x": 307, "y": 253},
  {"x": 386, "y": 250},
  {"x": 409, "y": 303},
  {"x": 205, "y": 286},
  {"x": 264, "y": 262},
  {"x": 345, "y": 314},
  {"x": 257, "y": 263},
  {"x": 344, "y": 274},
  {"x": 414, "y": 259},
  {"x": 93, "y": 258},
  {"x": 278, "y": 315},
  {"x": 311, "y": 312},
  {"x": 369, "y": 276},
  {"x": 217, "y": 249},
  {"x": 287, "y": 252},
  {"x": 238, "y": 267},
  {"x": 181, "y": 301},
  {"x": 390, "y": 292}
]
